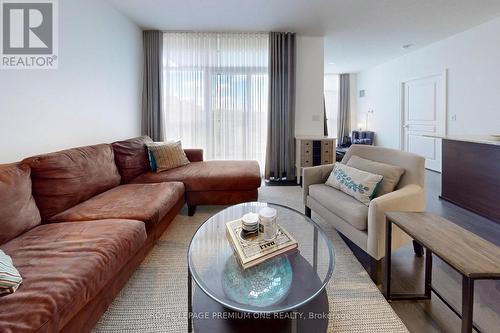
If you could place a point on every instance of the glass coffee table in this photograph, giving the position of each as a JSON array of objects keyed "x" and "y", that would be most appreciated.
[{"x": 283, "y": 294}]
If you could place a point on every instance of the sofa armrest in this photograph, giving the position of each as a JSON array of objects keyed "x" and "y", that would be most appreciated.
[
  {"x": 194, "y": 155},
  {"x": 314, "y": 175},
  {"x": 410, "y": 198}
]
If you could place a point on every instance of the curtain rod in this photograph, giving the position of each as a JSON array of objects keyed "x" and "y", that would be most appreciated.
[
  {"x": 215, "y": 31},
  {"x": 231, "y": 31}
]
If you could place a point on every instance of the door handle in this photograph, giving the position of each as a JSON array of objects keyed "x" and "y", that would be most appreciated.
[{"x": 406, "y": 126}]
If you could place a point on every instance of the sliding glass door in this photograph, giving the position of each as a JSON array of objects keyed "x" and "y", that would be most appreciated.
[{"x": 215, "y": 93}]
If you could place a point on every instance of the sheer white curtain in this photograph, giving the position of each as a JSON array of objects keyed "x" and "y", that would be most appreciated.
[
  {"x": 215, "y": 93},
  {"x": 331, "y": 88}
]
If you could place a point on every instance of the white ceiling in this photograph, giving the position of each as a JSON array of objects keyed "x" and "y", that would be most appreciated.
[{"x": 358, "y": 33}]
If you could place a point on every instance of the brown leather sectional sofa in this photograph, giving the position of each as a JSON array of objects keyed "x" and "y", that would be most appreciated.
[{"x": 78, "y": 222}]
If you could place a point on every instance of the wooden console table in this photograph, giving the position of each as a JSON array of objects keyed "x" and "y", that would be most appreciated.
[
  {"x": 312, "y": 151},
  {"x": 470, "y": 255}
]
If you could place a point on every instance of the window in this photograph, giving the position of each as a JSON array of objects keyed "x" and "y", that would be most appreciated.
[
  {"x": 331, "y": 83},
  {"x": 215, "y": 93}
]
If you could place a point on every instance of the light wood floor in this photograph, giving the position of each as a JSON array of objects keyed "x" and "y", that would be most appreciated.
[{"x": 433, "y": 316}]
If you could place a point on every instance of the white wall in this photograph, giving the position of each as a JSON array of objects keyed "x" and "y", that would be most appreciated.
[
  {"x": 94, "y": 95},
  {"x": 309, "y": 109},
  {"x": 473, "y": 62}
]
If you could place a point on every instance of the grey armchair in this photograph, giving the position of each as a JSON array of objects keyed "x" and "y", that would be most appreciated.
[{"x": 365, "y": 226}]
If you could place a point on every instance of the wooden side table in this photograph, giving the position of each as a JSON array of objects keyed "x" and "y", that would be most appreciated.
[{"x": 470, "y": 255}]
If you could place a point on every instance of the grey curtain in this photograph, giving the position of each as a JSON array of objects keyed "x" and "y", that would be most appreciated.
[
  {"x": 325, "y": 119},
  {"x": 344, "y": 116},
  {"x": 280, "y": 153},
  {"x": 152, "y": 120}
]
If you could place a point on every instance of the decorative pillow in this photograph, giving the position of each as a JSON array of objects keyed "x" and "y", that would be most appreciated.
[
  {"x": 391, "y": 173},
  {"x": 10, "y": 279},
  {"x": 359, "y": 184},
  {"x": 168, "y": 155},
  {"x": 131, "y": 157}
]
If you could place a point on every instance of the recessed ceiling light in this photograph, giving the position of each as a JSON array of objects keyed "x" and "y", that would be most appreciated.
[
  {"x": 331, "y": 63},
  {"x": 406, "y": 46}
]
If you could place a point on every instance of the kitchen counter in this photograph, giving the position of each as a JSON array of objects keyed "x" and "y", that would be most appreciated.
[
  {"x": 486, "y": 139},
  {"x": 470, "y": 176}
]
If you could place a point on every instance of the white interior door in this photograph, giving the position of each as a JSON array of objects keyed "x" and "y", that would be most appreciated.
[{"x": 424, "y": 116}]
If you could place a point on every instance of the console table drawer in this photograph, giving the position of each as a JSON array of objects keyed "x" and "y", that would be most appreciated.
[
  {"x": 327, "y": 144},
  {"x": 307, "y": 162},
  {"x": 326, "y": 160},
  {"x": 306, "y": 145},
  {"x": 306, "y": 155}
]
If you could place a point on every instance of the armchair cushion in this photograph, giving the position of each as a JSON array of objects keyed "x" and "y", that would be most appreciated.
[
  {"x": 391, "y": 173},
  {"x": 314, "y": 175},
  {"x": 344, "y": 206}
]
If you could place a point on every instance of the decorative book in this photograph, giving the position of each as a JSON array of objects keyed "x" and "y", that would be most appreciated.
[{"x": 253, "y": 250}]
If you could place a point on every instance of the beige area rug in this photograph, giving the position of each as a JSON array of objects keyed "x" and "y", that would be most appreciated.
[{"x": 155, "y": 297}]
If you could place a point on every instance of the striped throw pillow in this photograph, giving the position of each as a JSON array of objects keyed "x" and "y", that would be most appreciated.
[
  {"x": 168, "y": 155},
  {"x": 10, "y": 279}
]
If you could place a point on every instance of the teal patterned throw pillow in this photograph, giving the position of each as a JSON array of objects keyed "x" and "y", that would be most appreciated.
[
  {"x": 152, "y": 161},
  {"x": 359, "y": 184}
]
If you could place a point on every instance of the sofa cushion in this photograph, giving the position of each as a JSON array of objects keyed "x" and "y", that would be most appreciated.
[
  {"x": 66, "y": 178},
  {"x": 65, "y": 265},
  {"x": 18, "y": 211},
  {"x": 391, "y": 173},
  {"x": 227, "y": 197},
  {"x": 144, "y": 202},
  {"x": 344, "y": 206},
  {"x": 194, "y": 154},
  {"x": 210, "y": 176},
  {"x": 131, "y": 157}
]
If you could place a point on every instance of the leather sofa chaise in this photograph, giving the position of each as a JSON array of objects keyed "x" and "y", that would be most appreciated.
[{"x": 77, "y": 223}]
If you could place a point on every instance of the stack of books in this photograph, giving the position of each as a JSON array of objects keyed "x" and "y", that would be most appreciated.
[{"x": 253, "y": 250}]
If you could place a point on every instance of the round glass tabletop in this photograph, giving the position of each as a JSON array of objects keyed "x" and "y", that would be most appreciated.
[{"x": 280, "y": 284}]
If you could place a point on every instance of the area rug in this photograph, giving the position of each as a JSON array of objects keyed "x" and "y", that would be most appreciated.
[{"x": 157, "y": 292}]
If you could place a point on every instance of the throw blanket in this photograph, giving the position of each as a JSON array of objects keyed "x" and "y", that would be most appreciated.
[{"x": 10, "y": 279}]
